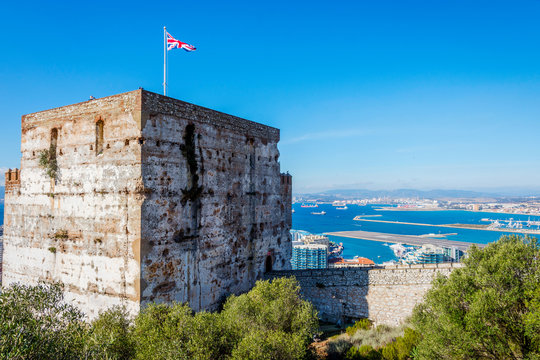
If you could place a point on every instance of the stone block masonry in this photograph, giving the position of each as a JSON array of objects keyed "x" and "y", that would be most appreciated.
[
  {"x": 385, "y": 295},
  {"x": 151, "y": 199}
]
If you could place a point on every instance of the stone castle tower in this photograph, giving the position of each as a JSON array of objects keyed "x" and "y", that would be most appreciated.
[{"x": 151, "y": 199}]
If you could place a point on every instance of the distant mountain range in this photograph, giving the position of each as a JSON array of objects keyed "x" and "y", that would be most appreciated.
[
  {"x": 2, "y": 190},
  {"x": 414, "y": 193}
]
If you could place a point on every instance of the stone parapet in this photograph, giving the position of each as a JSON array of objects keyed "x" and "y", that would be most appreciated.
[
  {"x": 153, "y": 103},
  {"x": 384, "y": 294}
]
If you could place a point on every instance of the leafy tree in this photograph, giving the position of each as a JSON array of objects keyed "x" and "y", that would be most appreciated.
[
  {"x": 487, "y": 310},
  {"x": 270, "y": 345},
  {"x": 211, "y": 337},
  {"x": 36, "y": 323},
  {"x": 269, "y": 322},
  {"x": 273, "y": 306},
  {"x": 110, "y": 337},
  {"x": 163, "y": 332}
]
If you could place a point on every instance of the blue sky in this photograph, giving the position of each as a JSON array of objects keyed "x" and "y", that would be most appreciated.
[{"x": 367, "y": 94}]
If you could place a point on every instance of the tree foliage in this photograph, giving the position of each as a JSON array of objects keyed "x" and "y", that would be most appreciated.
[
  {"x": 36, "y": 323},
  {"x": 109, "y": 336},
  {"x": 489, "y": 309},
  {"x": 269, "y": 322},
  {"x": 273, "y": 306}
]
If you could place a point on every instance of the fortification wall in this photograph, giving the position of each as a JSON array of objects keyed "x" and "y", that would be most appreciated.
[
  {"x": 214, "y": 214},
  {"x": 385, "y": 295},
  {"x": 84, "y": 227}
]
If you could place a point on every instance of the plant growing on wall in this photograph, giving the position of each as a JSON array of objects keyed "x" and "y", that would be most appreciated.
[{"x": 47, "y": 160}]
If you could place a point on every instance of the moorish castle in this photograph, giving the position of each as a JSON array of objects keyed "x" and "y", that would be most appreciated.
[{"x": 139, "y": 197}]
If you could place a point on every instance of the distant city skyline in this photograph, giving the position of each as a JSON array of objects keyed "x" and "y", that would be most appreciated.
[{"x": 368, "y": 95}]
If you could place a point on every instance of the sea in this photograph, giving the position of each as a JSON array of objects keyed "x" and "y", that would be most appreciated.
[{"x": 342, "y": 220}]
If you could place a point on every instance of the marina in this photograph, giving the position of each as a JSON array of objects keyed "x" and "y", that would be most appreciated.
[{"x": 414, "y": 240}]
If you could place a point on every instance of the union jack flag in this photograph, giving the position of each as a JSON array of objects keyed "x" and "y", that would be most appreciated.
[{"x": 173, "y": 43}]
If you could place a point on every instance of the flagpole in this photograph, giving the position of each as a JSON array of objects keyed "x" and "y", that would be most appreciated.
[{"x": 164, "y": 61}]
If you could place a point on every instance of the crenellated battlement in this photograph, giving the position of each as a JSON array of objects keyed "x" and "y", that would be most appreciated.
[
  {"x": 286, "y": 179},
  {"x": 13, "y": 180}
]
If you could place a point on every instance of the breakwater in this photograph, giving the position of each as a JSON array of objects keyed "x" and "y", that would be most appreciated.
[
  {"x": 384, "y": 294},
  {"x": 413, "y": 240},
  {"x": 453, "y": 226}
]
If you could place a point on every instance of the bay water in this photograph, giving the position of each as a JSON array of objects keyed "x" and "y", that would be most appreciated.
[{"x": 342, "y": 220}]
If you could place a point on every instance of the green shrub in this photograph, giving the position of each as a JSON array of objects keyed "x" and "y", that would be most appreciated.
[
  {"x": 163, "y": 332},
  {"x": 362, "y": 324},
  {"x": 211, "y": 337},
  {"x": 406, "y": 343},
  {"x": 270, "y": 345},
  {"x": 36, "y": 323},
  {"x": 364, "y": 352},
  {"x": 269, "y": 322},
  {"x": 487, "y": 308},
  {"x": 390, "y": 352},
  {"x": 273, "y": 306},
  {"x": 110, "y": 336}
]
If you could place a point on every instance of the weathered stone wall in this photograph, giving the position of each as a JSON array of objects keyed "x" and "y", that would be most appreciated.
[
  {"x": 214, "y": 210},
  {"x": 84, "y": 228},
  {"x": 177, "y": 202},
  {"x": 385, "y": 295}
]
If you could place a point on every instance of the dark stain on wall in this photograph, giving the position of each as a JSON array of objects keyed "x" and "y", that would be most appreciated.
[{"x": 193, "y": 191}]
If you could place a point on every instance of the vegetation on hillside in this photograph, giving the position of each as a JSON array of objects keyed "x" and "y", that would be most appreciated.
[
  {"x": 269, "y": 322},
  {"x": 364, "y": 341},
  {"x": 490, "y": 309}
]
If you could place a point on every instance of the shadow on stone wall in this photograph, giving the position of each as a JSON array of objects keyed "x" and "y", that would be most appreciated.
[{"x": 385, "y": 295}]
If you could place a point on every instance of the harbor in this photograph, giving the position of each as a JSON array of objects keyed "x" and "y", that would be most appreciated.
[{"x": 413, "y": 240}]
